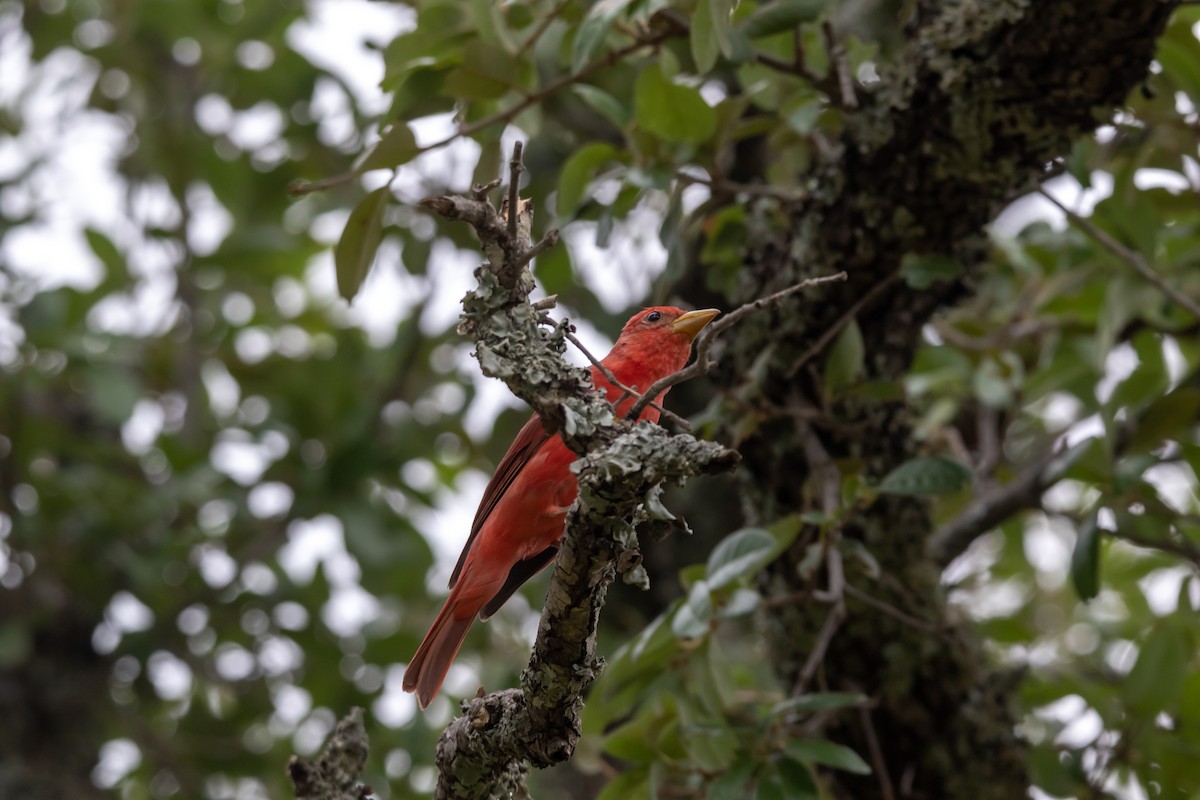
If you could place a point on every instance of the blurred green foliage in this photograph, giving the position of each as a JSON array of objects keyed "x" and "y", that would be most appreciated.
[{"x": 229, "y": 478}]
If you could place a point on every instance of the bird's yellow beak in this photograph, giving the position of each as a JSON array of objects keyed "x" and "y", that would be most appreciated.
[{"x": 693, "y": 322}]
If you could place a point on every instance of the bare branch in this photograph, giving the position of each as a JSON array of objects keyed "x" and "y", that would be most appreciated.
[
  {"x": 890, "y": 610},
  {"x": 783, "y": 194},
  {"x": 833, "y": 330},
  {"x": 547, "y": 241},
  {"x": 837, "y": 615},
  {"x": 542, "y": 26},
  {"x": 1182, "y": 548},
  {"x": 701, "y": 364},
  {"x": 839, "y": 68},
  {"x": 878, "y": 764},
  {"x": 829, "y": 487},
  {"x": 993, "y": 507},
  {"x": 629, "y": 391},
  {"x": 514, "y": 186},
  {"x": 1132, "y": 258}
]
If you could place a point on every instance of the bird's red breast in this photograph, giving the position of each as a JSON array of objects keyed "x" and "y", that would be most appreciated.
[{"x": 519, "y": 522}]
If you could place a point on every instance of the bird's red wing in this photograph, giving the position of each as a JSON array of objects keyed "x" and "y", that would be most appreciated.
[{"x": 528, "y": 442}]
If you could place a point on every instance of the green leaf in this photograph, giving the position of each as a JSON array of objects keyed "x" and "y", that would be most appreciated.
[
  {"x": 703, "y": 38},
  {"x": 713, "y": 747},
  {"x": 604, "y": 103},
  {"x": 577, "y": 172},
  {"x": 1162, "y": 666},
  {"x": 631, "y": 783},
  {"x": 672, "y": 111},
  {"x": 769, "y": 784},
  {"x": 803, "y": 118},
  {"x": 1085, "y": 559},
  {"x": 720, "y": 12},
  {"x": 398, "y": 146},
  {"x": 711, "y": 34},
  {"x": 593, "y": 30},
  {"x": 798, "y": 780},
  {"x": 822, "y": 751},
  {"x": 990, "y": 386},
  {"x": 1167, "y": 417},
  {"x": 710, "y": 679},
  {"x": 927, "y": 475},
  {"x": 739, "y": 555},
  {"x": 846, "y": 359},
  {"x": 781, "y": 16},
  {"x": 1149, "y": 378},
  {"x": 639, "y": 740},
  {"x": 487, "y": 72},
  {"x": 731, "y": 785},
  {"x": 741, "y": 603},
  {"x": 355, "y": 251},
  {"x": 785, "y": 530},
  {"x": 818, "y": 701},
  {"x": 692, "y": 619},
  {"x": 922, "y": 271},
  {"x": 106, "y": 251}
]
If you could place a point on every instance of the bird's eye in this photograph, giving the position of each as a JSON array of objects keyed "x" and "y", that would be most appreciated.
[{"x": 653, "y": 316}]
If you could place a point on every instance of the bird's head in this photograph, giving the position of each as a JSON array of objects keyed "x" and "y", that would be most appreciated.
[{"x": 660, "y": 338}]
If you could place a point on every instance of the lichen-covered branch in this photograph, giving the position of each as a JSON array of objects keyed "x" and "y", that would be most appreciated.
[
  {"x": 484, "y": 753},
  {"x": 337, "y": 772}
]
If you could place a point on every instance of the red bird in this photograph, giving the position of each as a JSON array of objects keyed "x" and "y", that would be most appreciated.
[{"x": 521, "y": 517}]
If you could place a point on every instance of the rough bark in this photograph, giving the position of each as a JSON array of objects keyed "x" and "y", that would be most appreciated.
[
  {"x": 336, "y": 773},
  {"x": 48, "y": 737},
  {"x": 485, "y": 752},
  {"x": 982, "y": 98}
]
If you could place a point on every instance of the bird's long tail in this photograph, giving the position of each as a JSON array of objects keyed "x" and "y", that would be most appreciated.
[{"x": 429, "y": 664}]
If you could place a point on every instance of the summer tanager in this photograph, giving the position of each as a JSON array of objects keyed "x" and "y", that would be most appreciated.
[{"x": 521, "y": 517}]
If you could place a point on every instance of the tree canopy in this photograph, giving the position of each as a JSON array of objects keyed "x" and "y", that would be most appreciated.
[{"x": 241, "y": 439}]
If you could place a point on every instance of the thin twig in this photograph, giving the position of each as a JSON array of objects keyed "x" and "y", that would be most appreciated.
[
  {"x": 999, "y": 339},
  {"x": 832, "y": 622},
  {"x": 544, "y": 244},
  {"x": 839, "y": 67},
  {"x": 821, "y": 464},
  {"x": 992, "y": 507},
  {"x": 842, "y": 321},
  {"x": 506, "y": 115},
  {"x": 780, "y": 193},
  {"x": 704, "y": 343},
  {"x": 880, "y": 766},
  {"x": 514, "y": 186},
  {"x": 1132, "y": 258},
  {"x": 798, "y": 68},
  {"x": 543, "y": 25},
  {"x": 1182, "y": 549},
  {"x": 890, "y": 610},
  {"x": 299, "y": 188},
  {"x": 679, "y": 421}
]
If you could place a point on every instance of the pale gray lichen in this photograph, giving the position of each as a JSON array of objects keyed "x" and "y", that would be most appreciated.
[{"x": 483, "y": 753}]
